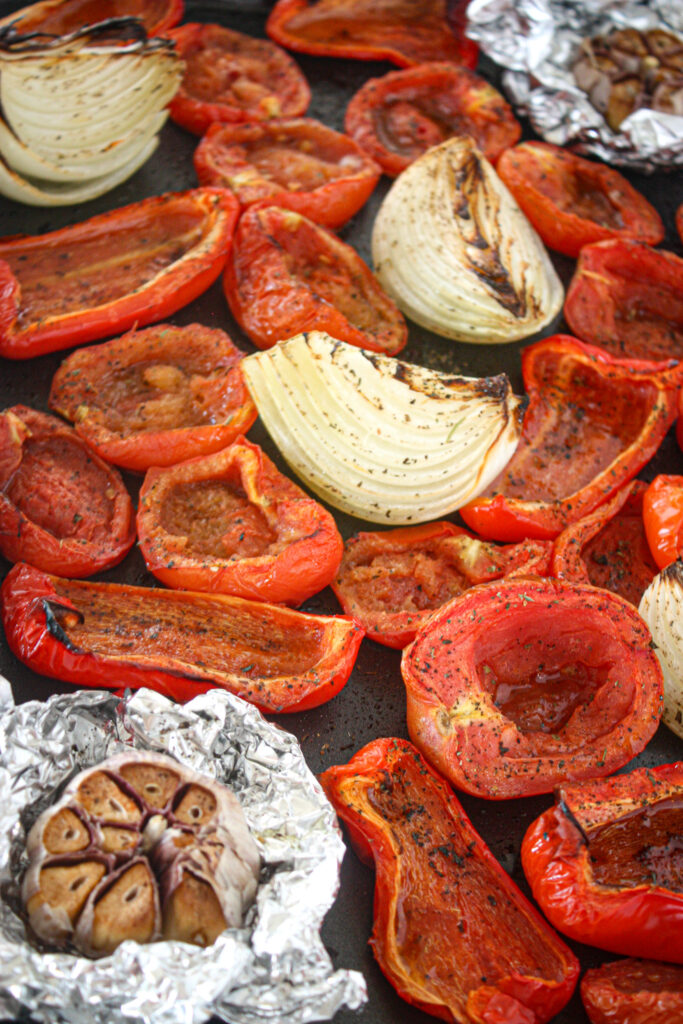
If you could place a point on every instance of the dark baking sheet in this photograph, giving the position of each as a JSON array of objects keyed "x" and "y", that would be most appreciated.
[{"x": 372, "y": 703}]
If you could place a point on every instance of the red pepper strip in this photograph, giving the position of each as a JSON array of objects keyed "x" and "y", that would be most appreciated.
[
  {"x": 679, "y": 421},
  {"x": 231, "y": 523},
  {"x": 59, "y": 17},
  {"x": 392, "y": 581},
  {"x": 604, "y": 862},
  {"x": 61, "y": 507},
  {"x": 404, "y": 33},
  {"x": 633, "y": 992},
  {"x": 520, "y": 684},
  {"x": 628, "y": 298},
  {"x": 663, "y": 517},
  {"x": 134, "y": 265},
  {"x": 156, "y": 397},
  {"x": 608, "y": 547},
  {"x": 679, "y": 221},
  {"x": 592, "y": 423},
  {"x": 176, "y": 642},
  {"x": 452, "y": 932}
]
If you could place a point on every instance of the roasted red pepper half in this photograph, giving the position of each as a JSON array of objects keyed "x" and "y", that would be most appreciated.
[
  {"x": 176, "y": 642},
  {"x": 233, "y": 77},
  {"x": 59, "y": 17},
  {"x": 604, "y": 862},
  {"x": 628, "y": 298},
  {"x": 521, "y": 684},
  {"x": 608, "y": 547},
  {"x": 392, "y": 581},
  {"x": 287, "y": 275},
  {"x": 296, "y": 163},
  {"x": 452, "y": 932},
  {"x": 663, "y": 517},
  {"x": 61, "y": 507},
  {"x": 404, "y": 33},
  {"x": 134, "y": 265},
  {"x": 156, "y": 397},
  {"x": 679, "y": 221},
  {"x": 398, "y": 117},
  {"x": 233, "y": 524},
  {"x": 633, "y": 992},
  {"x": 592, "y": 423},
  {"x": 572, "y": 201}
]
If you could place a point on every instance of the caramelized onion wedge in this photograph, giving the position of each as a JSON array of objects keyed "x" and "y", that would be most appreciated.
[
  {"x": 455, "y": 253},
  {"x": 381, "y": 439},
  {"x": 662, "y": 606}
]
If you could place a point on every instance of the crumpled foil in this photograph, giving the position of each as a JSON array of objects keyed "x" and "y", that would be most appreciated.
[
  {"x": 274, "y": 968},
  {"x": 538, "y": 42}
]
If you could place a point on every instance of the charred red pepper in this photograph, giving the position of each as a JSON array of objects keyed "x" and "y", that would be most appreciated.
[
  {"x": 59, "y": 17},
  {"x": 134, "y": 265},
  {"x": 392, "y": 581},
  {"x": 520, "y": 684},
  {"x": 592, "y": 423},
  {"x": 233, "y": 524},
  {"x": 452, "y": 932},
  {"x": 663, "y": 517},
  {"x": 603, "y": 863},
  {"x": 633, "y": 992},
  {"x": 156, "y": 397},
  {"x": 572, "y": 201},
  {"x": 628, "y": 298},
  {"x": 61, "y": 507},
  {"x": 176, "y": 642}
]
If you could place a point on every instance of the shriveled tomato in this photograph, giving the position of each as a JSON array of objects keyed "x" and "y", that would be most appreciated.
[
  {"x": 288, "y": 275},
  {"x": 232, "y": 523},
  {"x": 233, "y": 77},
  {"x": 518, "y": 685},
  {"x": 392, "y": 581},
  {"x": 398, "y": 117},
  {"x": 592, "y": 423},
  {"x": 59, "y": 17},
  {"x": 134, "y": 265},
  {"x": 633, "y": 992},
  {"x": 452, "y": 932},
  {"x": 572, "y": 201},
  {"x": 156, "y": 397},
  {"x": 628, "y": 298},
  {"x": 663, "y": 517},
  {"x": 61, "y": 507},
  {"x": 299, "y": 164}
]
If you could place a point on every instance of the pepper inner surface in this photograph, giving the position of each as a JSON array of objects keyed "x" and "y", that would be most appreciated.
[
  {"x": 642, "y": 848},
  {"x": 74, "y": 14},
  {"x": 218, "y": 519},
  {"x": 376, "y": 23}
]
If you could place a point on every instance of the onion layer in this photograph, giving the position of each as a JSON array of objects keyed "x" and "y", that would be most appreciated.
[{"x": 662, "y": 608}]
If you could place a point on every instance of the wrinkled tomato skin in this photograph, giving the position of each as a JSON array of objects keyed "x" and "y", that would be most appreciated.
[
  {"x": 228, "y": 157},
  {"x": 233, "y": 77},
  {"x": 59, "y": 17},
  {"x": 663, "y": 518},
  {"x": 633, "y": 992},
  {"x": 116, "y": 279},
  {"x": 434, "y": 876},
  {"x": 62, "y": 508},
  {"x": 572, "y": 201},
  {"x": 398, "y": 117},
  {"x": 628, "y": 298},
  {"x": 644, "y": 919},
  {"x": 287, "y": 275},
  {"x": 501, "y": 703},
  {"x": 106, "y": 634},
  {"x": 111, "y": 394}
]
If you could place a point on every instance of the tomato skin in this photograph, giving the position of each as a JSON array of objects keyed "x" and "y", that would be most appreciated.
[
  {"x": 435, "y": 876},
  {"x": 107, "y": 634},
  {"x": 145, "y": 295},
  {"x": 608, "y": 416},
  {"x": 633, "y": 992},
  {"x": 639, "y": 919},
  {"x": 233, "y": 77},
  {"x": 663, "y": 518},
  {"x": 61, "y": 507},
  {"x": 287, "y": 275},
  {"x": 60, "y": 17},
  {"x": 279, "y": 545},
  {"x": 398, "y": 117},
  {"x": 495, "y": 672},
  {"x": 205, "y": 371},
  {"x": 562, "y": 194},
  {"x": 627, "y": 298},
  {"x": 230, "y": 156}
]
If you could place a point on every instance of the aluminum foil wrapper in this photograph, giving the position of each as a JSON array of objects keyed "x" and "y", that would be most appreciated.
[
  {"x": 537, "y": 41},
  {"x": 275, "y": 967}
]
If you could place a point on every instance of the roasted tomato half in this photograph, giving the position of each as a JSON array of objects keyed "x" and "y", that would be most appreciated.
[{"x": 633, "y": 992}]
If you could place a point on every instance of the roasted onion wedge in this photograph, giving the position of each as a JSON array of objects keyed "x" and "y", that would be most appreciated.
[
  {"x": 662, "y": 606},
  {"x": 456, "y": 254},
  {"x": 378, "y": 438}
]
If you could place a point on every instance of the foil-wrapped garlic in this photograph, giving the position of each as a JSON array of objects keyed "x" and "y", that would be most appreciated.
[{"x": 662, "y": 608}]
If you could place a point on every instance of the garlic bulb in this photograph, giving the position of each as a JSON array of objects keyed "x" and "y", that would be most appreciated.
[
  {"x": 662, "y": 608},
  {"x": 456, "y": 254},
  {"x": 381, "y": 439}
]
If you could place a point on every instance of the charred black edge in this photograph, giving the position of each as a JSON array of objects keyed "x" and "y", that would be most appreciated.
[
  {"x": 52, "y": 609},
  {"x": 673, "y": 573},
  {"x": 570, "y": 816},
  {"x": 124, "y": 29}
]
